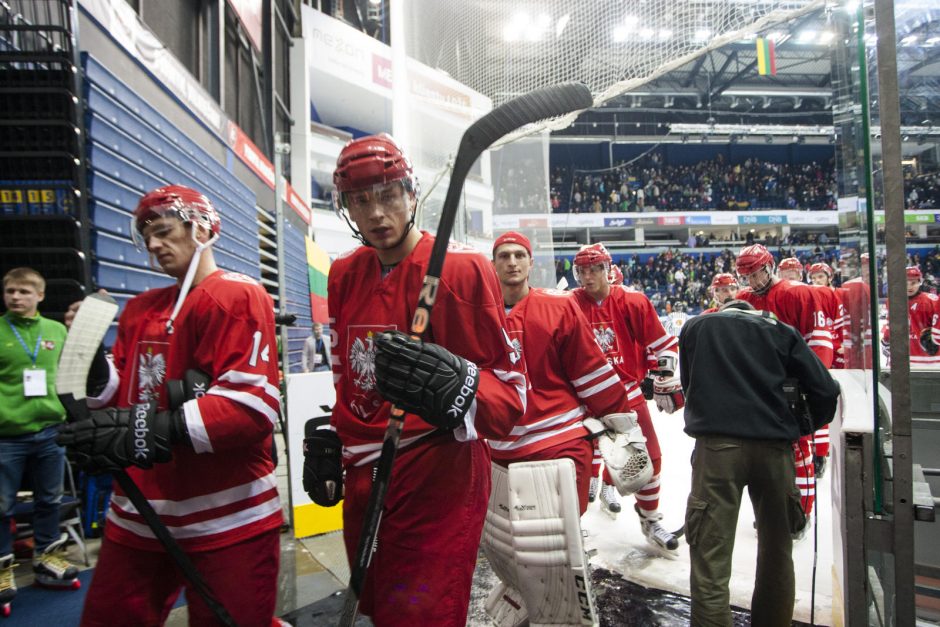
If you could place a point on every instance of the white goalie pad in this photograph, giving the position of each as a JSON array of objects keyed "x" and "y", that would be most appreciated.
[
  {"x": 505, "y": 607},
  {"x": 497, "y": 534},
  {"x": 552, "y": 570},
  {"x": 627, "y": 460}
]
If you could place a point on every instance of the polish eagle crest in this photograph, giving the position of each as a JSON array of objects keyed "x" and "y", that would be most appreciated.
[
  {"x": 604, "y": 338},
  {"x": 362, "y": 362}
]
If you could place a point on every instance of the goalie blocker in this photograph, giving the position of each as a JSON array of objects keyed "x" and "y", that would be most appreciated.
[{"x": 532, "y": 539}]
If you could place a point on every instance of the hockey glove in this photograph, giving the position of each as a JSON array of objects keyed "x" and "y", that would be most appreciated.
[
  {"x": 647, "y": 387},
  {"x": 665, "y": 366},
  {"x": 927, "y": 343},
  {"x": 323, "y": 465},
  {"x": 425, "y": 379},
  {"x": 886, "y": 348},
  {"x": 667, "y": 392},
  {"x": 611, "y": 423},
  {"x": 112, "y": 439},
  {"x": 627, "y": 460}
]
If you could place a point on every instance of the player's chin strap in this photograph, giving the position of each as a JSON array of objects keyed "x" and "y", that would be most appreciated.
[{"x": 188, "y": 280}]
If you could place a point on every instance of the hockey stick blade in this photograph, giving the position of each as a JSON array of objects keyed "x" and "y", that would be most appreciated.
[
  {"x": 85, "y": 335},
  {"x": 529, "y": 108},
  {"x": 535, "y": 106}
]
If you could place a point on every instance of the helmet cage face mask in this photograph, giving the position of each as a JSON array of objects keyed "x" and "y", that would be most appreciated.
[
  {"x": 591, "y": 255},
  {"x": 195, "y": 214},
  {"x": 346, "y": 204},
  {"x": 761, "y": 288},
  {"x": 601, "y": 267}
]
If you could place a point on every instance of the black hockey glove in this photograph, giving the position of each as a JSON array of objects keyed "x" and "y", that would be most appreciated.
[
  {"x": 112, "y": 439},
  {"x": 425, "y": 379},
  {"x": 927, "y": 343},
  {"x": 323, "y": 465}
]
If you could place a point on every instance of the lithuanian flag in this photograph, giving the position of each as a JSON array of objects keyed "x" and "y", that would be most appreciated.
[
  {"x": 766, "y": 57},
  {"x": 318, "y": 267}
]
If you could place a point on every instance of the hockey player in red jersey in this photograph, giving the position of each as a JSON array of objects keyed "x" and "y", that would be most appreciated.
[
  {"x": 923, "y": 316},
  {"x": 626, "y": 327},
  {"x": 616, "y": 275},
  {"x": 462, "y": 384},
  {"x": 548, "y": 451},
  {"x": 821, "y": 276},
  {"x": 798, "y": 305},
  {"x": 790, "y": 269},
  {"x": 206, "y": 465},
  {"x": 724, "y": 287}
]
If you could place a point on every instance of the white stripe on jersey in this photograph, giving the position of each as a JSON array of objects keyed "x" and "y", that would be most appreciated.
[
  {"x": 468, "y": 431},
  {"x": 203, "y": 502},
  {"x": 613, "y": 379},
  {"x": 234, "y": 520},
  {"x": 248, "y": 400},
  {"x": 559, "y": 419},
  {"x": 515, "y": 378},
  {"x": 592, "y": 375},
  {"x": 196, "y": 427},
  {"x": 666, "y": 339},
  {"x": 531, "y": 439},
  {"x": 372, "y": 450},
  {"x": 257, "y": 380}
]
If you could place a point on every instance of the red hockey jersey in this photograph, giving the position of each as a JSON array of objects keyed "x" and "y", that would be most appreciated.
[
  {"x": 566, "y": 371},
  {"x": 467, "y": 319},
  {"x": 800, "y": 306},
  {"x": 857, "y": 330},
  {"x": 831, "y": 302},
  {"x": 626, "y": 327},
  {"x": 923, "y": 312},
  {"x": 222, "y": 489}
]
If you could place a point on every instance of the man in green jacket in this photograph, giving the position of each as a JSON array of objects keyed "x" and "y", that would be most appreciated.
[{"x": 30, "y": 415}]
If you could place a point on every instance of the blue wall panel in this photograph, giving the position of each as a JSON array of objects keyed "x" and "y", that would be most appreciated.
[
  {"x": 133, "y": 148},
  {"x": 298, "y": 292}
]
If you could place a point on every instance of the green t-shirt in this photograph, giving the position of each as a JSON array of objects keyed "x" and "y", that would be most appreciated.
[{"x": 21, "y": 414}]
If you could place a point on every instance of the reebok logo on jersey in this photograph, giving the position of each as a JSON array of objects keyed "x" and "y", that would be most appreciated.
[{"x": 141, "y": 431}]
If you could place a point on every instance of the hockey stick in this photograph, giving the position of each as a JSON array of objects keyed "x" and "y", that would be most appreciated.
[
  {"x": 85, "y": 335},
  {"x": 532, "y": 107}
]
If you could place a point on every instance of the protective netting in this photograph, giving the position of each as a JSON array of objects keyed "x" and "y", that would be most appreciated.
[{"x": 502, "y": 48}]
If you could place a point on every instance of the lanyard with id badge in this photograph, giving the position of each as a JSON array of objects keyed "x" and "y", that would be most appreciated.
[{"x": 34, "y": 379}]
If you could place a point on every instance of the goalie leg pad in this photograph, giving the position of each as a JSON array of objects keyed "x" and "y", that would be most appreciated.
[
  {"x": 552, "y": 569},
  {"x": 497, "y": 533},
  {"x": 505, "y": 607}
]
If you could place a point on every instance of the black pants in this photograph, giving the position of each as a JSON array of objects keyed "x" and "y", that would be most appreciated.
[{"x": 721, "y": 467}]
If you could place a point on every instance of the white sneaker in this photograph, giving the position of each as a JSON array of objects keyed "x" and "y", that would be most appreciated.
[
  {"x": 592, "y": 489},
  {"x": 610, "y": 499},
  {"x": 655, "y": 533}
]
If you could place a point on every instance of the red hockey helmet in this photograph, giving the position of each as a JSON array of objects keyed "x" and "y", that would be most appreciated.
[
  {"x": 723, "y": 279},
  {"x": 372, "y": 160},
  {"x": 753, "y": 258},
  {"x": 790, "y": 263},
  {"x": 914, "y": 273},
  {"x": 820, "y": 267},
  {"x": 616, "y": 275},
  {"x": 592, "y": 254},
  {"x": 179, "y": 201}
]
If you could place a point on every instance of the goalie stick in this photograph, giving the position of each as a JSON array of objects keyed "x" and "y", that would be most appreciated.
[
  {"x": 541, "y": 104},
  {"x": 84, "y": 337}
]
